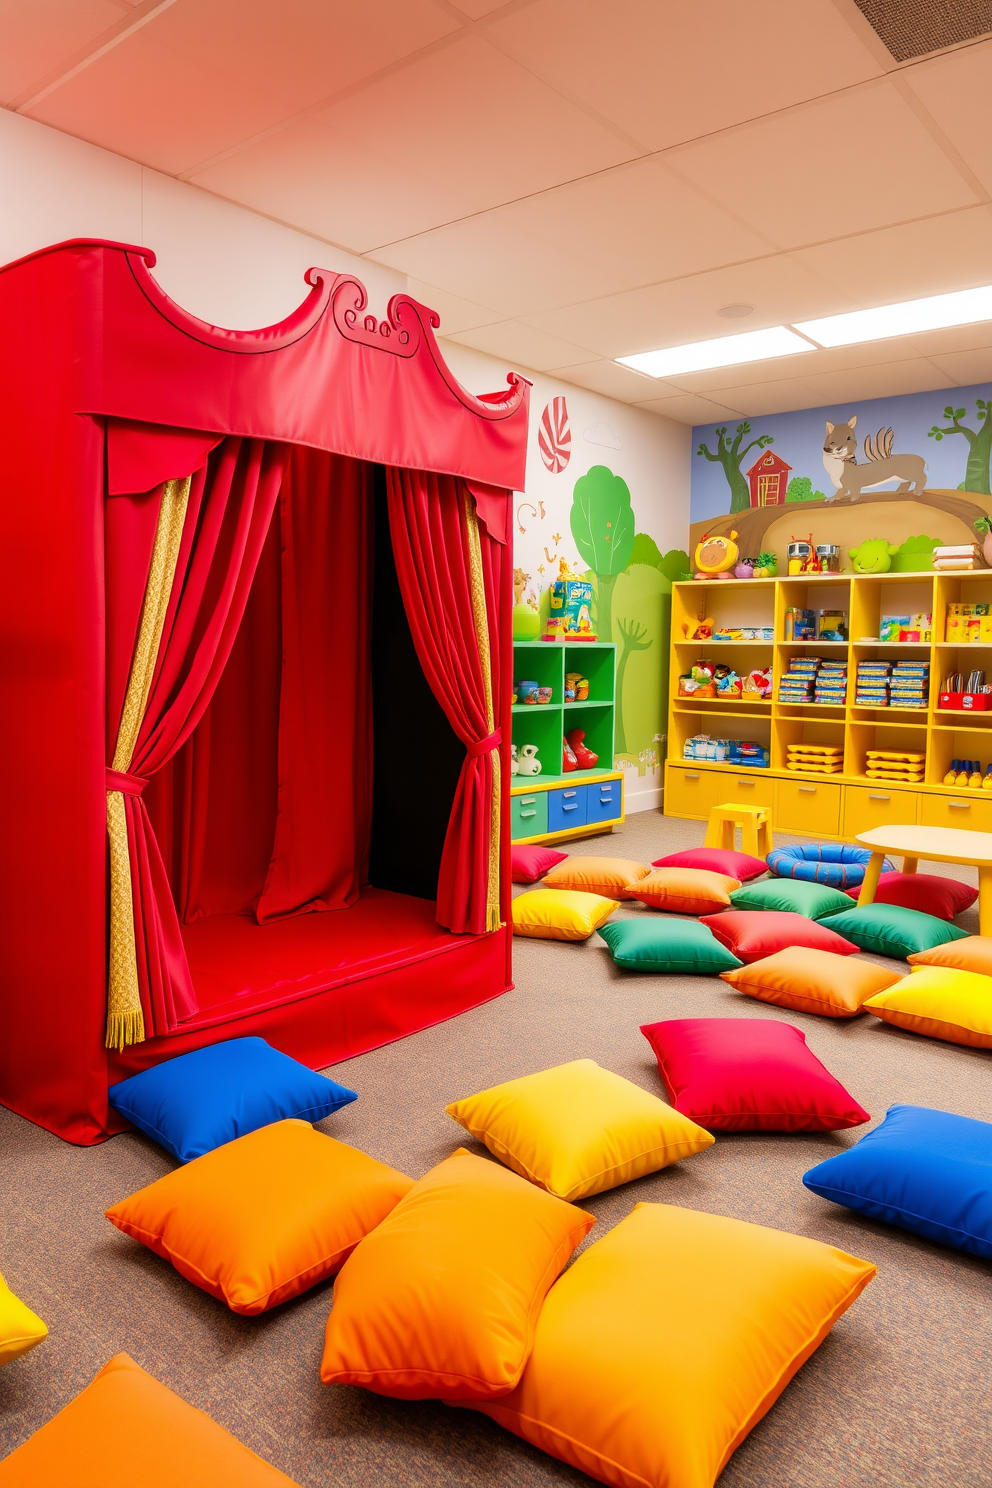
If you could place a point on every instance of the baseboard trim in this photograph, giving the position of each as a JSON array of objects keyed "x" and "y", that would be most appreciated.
[{"x": 644, "y": 800}]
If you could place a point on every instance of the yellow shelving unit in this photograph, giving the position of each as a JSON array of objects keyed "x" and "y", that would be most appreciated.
[{"x": 840, "y": 805}]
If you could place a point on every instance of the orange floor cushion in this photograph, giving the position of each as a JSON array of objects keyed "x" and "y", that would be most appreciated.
[
  {"x": 262, "y": 1218},
  {"x": 614, "y": 878},
  {"x": 125, "y": 1430},
  {"x": 442, "y": 1299},
  {"x": 974, "y": 953},
  {"x": 690, "y": 891},
  {"x": 812, "y": 981}
]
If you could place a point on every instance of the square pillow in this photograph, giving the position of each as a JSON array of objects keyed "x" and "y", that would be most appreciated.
[
  {"x": 667, "y": 1341},
  {"x": 443, "y": 1297},
  {"x": 261, "y": 1219},
  {"x": 529, "y": 862},
  {"x": 199, "y": 1101},
  {"x": 748, "y": 1074},
  {"x": 754, "y": 933},
  {"x": 925, "y": 1171},
  {"x": 560, "y": 914},
  {"x": 20, "y": 1328},
  {"x": 677, "y": 946},
  {"x": 691, "y": 891},
  {"x": 792, "y": 895},
  {"x": 974, "y": 953},
  {"x": 127, "y": 1429},
  {"x": 716, "y": 860},
  {"x": 890, "y": 930},
  {"x": 578, "y": 1129},
  {"x": 942, "y": 1002},
  {"x": 612, "y": 877},
  {"x": 927, "y": 892},
  {"x": 812, "y": 981}
]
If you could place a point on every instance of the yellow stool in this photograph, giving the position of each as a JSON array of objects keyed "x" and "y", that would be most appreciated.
[{"x": 756, "y": 834}]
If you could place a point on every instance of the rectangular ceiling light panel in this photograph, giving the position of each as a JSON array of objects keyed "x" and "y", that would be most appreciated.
[
  {"x": 963, "y": 307},
  {"x": 723, "y": 351}
]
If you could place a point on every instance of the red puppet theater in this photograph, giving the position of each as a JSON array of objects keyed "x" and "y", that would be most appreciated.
[{"x": 255, "y": 601}]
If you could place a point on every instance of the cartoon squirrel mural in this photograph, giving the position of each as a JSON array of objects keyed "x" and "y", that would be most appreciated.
[{"x": 840, "y": 461}]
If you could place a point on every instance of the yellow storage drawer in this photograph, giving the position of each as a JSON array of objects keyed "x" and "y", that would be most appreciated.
[
  {"x": 744, "y": 790},
  {"x": 811, "y": 806},
  {"x": 689, "y": 792},
  {"x": 971, "y": 811},
  {"x": 871, "y": 806}
]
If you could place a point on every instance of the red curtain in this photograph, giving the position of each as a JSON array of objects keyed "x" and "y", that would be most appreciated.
[
  {"x": 427, "y": 525},
  {"x": 230, "y": 506}
]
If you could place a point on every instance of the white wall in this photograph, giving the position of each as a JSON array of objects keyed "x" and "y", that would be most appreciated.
[{"x": 235, "y": 268}]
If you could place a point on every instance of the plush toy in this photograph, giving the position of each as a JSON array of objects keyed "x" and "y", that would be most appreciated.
[
  {"x": 527, "y": 760},
  {"x": 576, "y": 687},
  {"x": 765, "y": 566},
  {"x": 701, "y": 631},
  {"x": 568, "y": 760},
  {"x": 744, "y": 569},
  {"x": 874, "y": 556},
  {"x": 585, "y": 758},
  {"x": 716, "y": 556}
]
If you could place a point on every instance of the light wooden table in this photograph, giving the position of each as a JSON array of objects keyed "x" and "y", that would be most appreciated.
[{"x": 936, "y": 845}]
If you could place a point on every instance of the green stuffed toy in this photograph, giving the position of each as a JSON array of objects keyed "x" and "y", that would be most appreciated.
[{"x": 874, "y": 556}]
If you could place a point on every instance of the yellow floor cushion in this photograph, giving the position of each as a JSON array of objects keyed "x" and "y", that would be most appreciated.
[
  {"x": 940, "y": 1001},
  {"x": 442, "y": 1299},
  {"x": 668, "y": 1340},
  {"x": 20, "y": 1328},
  {"x": 812, "y": 981},
  {"x": 262, "y": 1218},
  {"x": 560, "y": 914},
  {"x": 613, "y": 877},
  {"x": 578, "y": 1129},
  {"x": 125, "y": 1430}
]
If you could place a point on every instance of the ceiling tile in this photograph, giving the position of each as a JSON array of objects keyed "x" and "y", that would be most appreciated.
[
  {"x": 846, "y": 164},
  {"x": 885, "y": 381},
  {"x": 802, "y": 365},
  {"x": 780, "y": 395},
  {"x": 966, "y": 367},
  {"x": 456, "y": 314},
  {"x": 638, "y": 221},
  {"x": 955, "y": 89},
  {"x": 614, "y": 381},
  {"x": 779, "y": 288},
  {"x": 688, "y": 409},
  {"x": 474, "y": 122},
  {"x": 732, "y": 61},
  {"x": 39, "y": 34},
  {"x": 512, "y": 341},
  {"x": 932, "y": 256},
  {"x": 483, "y": 259},
  {"x": 476, "y": 9},
  {"x": 352, "y": 196}
]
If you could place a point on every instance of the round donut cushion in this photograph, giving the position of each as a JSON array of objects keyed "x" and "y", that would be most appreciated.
[{"x": 835, "y": 863}]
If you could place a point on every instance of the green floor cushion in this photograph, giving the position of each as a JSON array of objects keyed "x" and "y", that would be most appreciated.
[
  {"x": 668, "y": 945},
  {"x": 890, "y": 930},
  {"x": 792, "y": 896}
]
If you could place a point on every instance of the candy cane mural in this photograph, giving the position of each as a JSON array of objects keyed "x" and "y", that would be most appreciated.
[{"x": 554, "y": 437}]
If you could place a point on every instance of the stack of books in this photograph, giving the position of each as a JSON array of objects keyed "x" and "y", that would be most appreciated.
[
  {"x": 958, "y": 556},
  {"x": 871, "y": 686},
  {"x": 799, "y": 682},
  {"x": 909, "y": 685},
  {"x": 831, "y": 683},
  {"x": 816, "y": 759}
]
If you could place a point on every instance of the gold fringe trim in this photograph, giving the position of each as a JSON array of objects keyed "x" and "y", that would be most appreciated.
[
  {"x": 125, "y": 1020},
  {"x": 478, "y": 589}
]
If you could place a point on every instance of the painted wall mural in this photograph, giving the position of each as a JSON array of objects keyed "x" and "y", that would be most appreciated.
[{"x": 910, "y": 471}]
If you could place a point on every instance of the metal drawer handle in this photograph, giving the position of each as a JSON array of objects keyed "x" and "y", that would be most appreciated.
[
  {"x": 807, "y": 790},
  {"x": 527, "y": 800},
  {"x": 959, "y": 805},
  {"x": 749, "y": 784},
  {"x": 878, "y": 798},
  {"x": 574, "y": 807},
  {"x": 692, "y": 774},
  {"x": 568, "y": 793},
  {"x": 528, "y": 813}
]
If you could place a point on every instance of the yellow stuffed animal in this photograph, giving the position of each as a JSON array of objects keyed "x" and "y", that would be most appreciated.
[{"x": 715, "y": 557}]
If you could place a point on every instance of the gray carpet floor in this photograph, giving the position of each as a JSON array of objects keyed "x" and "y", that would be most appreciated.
[{"x": 899, "y": 1394}]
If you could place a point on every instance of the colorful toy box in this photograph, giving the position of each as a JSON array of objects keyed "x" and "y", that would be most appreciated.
[{"x": 571, "y": 609}]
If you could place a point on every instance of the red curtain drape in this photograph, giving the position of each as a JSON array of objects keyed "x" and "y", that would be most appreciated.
[
  {"x": 427, "y": 524},
  {"x": 230, "y": 506}
]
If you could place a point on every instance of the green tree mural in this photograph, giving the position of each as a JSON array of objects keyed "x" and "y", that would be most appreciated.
[
  {"x": 976, "y": 476},
  {"x": 644, "y": 604},
  {"x": 602, "y": 523},
  {"x": 730, "y": 455},
  {"x": 800, "y": 488}
]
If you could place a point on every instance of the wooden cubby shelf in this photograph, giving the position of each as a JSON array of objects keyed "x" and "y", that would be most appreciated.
[{"x": 811, "y": 804}]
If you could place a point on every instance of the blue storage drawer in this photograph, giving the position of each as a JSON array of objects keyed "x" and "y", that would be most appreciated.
[
  {"x": 566, "y": 808},
  {"x": 604, "y": 801}
]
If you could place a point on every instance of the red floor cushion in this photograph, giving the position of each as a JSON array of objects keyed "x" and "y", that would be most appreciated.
[
  {"x": 748, "y": 1074},
  {"x": 754, "y": 933},
  {"x": 928, "y": 892},
  {"x": 530, "y": 861},
  {"x": 716, "y": 860}
]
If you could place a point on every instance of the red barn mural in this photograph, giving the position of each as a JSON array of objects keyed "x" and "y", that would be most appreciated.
[{"x": 768, "y": 478}]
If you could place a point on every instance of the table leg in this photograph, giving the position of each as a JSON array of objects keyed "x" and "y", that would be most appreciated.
[
  {"x": 910, "y": 865},
  {"x": 985, "y": 901},
  {"x": 870, "y": 884}
]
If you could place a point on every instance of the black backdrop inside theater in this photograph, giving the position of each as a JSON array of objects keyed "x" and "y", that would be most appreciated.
[{"x": 417, "y": 756}]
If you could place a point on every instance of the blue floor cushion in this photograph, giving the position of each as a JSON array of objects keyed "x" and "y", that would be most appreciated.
[
  {"x": 199, "y": 1101},
  {"x": 926, "y": 1171}
]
